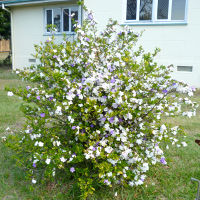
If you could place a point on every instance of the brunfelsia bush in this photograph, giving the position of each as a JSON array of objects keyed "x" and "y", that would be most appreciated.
[{"x": 96, "y": 109}]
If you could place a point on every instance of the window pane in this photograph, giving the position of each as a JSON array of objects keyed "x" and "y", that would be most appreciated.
[
  {"x": 163, "y": 9},
  {"x": 178, "y": 10},
  {"x": 146, "y": 9},
  {"x": 74, "y": 18},
  {"x": 56, "y": 18},
  {"x": 131, "y": 9},
  {"x": 49, "y": 19},
  {"x": 66, "y": 20}
]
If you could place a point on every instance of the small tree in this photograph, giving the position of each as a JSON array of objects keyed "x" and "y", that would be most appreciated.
[
  {"x": 96, "y": 109},
  {"x": 5, "y": 32}
]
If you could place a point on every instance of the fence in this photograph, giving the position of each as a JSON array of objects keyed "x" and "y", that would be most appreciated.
[{"x": 4, "y": 45}]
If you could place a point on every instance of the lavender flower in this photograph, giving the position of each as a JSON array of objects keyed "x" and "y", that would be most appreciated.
[
  {"x": 38, "y": 97},
  {"x": 50, "y": 98},
  {"x": 42, "y": 115},
  {"x": 111, "y": 120},
  {"x": 163, "y": 161},
  {"x": 165, "y": 91},
  {"x": 106, "y": 181},
  {"x": 34, "y": 165},
  {"x": 90, "y": 16},
  {"x": 72, "y": 169},
  {"x": 87, "y": 39},
  {"x": 28, "y": 87},
  {"x": 73, "y": 127},
  {"x": 112, "y": 80}
]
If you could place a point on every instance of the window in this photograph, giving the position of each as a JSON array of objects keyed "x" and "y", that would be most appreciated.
[
  {"x": 62, "y": 19},
  {"x": 155, "y": 10}
]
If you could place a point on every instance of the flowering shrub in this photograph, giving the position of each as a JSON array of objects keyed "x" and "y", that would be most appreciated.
[{"x": 94, "y": 109}]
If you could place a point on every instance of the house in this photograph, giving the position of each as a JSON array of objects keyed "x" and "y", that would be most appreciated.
[{"x": 171, "y": 25}]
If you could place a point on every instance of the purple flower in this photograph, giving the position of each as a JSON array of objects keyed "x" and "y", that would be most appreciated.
[
  {"x": 87, "y": 39},
  {"x": 92, "y": 126},
  {"x": 103, "y": 119},
  {"x": 106, "y": 181},
  {"x": 28, "y": 95},
  {"x": 112, "y": 80},
  {"x": 72, "y": 169},
  {"x": 90, "y": 16},
  {"x": 93, "y": 149},
  {"x": 106, "y": 135},
  {"x": 50, "y": 98},
  {"x": 120, "y": 120},
  {"x": 42, "y": 115},
  {"x": 110, "y": 68},
  {"x": 34, "y": 165},
  {"x": 120, "y": 33},
  {"x": 163, "y": 161},
  {"x": 55, "y": 56},
  {"x": 38, "y": 97},
  {"x": 111, "y": 120},
  {"x": 174, "y": 84},
  {"x": 165, "y": 91},
  {"x": 105, "y": 97},
  {"x": 72, "y": 65},
  {"x": 28, "y": 87},
  {"x": 97, "y": 144},
  {"x": 111, "y": 132},
  {"x": 73, "y": 127},
  {"x": 83, "y": 131},
  {"x": 47, "y": 41}
]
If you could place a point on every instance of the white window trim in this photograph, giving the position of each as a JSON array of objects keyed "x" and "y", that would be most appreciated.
[
  {"x": 154, "y": 20},
  {"x": 61, "y": 20}
]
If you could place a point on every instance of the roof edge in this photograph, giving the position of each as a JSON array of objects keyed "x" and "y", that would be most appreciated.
[{"x": 26, "y": 2}]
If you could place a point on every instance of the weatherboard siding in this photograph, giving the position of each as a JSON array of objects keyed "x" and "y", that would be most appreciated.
[
  {"x": 179, "y": 44},
  {"x": 28, "y": 29}
]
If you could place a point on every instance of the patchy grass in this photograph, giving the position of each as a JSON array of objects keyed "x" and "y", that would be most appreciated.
[{"x": 171, "y": 182}]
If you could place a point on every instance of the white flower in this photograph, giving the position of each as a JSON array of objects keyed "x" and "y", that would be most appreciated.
[
  {"x": 48, "y": 160},
  {"x": 139, "y": 141},
  {"x": 62, "y": 159},
  {"x": 10, "y": 94},
  {"x": 145, "y": 167},
  {"x": 184, "y": 144},
  {"x": 108, "y": 149},
  {"x": 163, "y": 128},
  {"x": 3, "y": 138},
  {"x": 129, "y": 116},
  {"x": 34, "y": 181},
  {"x": 131, "y": 183},
  {"x": 40, "y": 144},
  {"x": 8, "y": 128},
  {"x": 109, "y": 174},
  {"x": 58, "y": 110}
]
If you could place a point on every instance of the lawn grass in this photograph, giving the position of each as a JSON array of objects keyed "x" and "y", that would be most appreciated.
[{"x": 171, "y": 182}]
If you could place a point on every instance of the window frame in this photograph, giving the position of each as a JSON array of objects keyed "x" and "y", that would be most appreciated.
[
  {"x": 70, "y": 7},
  {"x": 154, "y": 20}
]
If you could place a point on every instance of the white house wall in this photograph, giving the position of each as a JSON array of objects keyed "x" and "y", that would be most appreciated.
[
  {"x": 28, "y": 29},
  {"x": 179, "y": 44}
]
